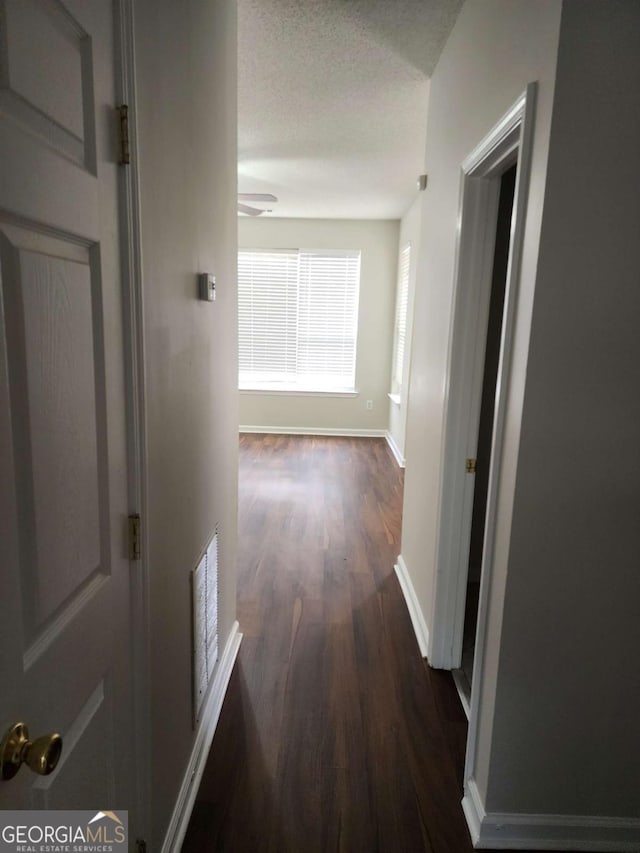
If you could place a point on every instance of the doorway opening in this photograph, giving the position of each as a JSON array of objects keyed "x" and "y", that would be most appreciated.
[
  {"x": 506, "y": 152},
  {"x": 463, "y": 676},
  {"x": 504, "y": 156}
]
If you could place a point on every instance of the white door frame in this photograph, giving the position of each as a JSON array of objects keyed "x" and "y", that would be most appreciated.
[
  {"x": 131, "y": 253},
  {"x": 509, "y": 142}
]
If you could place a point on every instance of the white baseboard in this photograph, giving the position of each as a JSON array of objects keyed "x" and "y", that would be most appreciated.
[
  {"x": 473, "y": 809},
  {"x": 413, "y": 605},
  {"x": 210, "y": 714},
  {"x": 395, "y": 449},
  {"x": 339, "y": 431},
  {"x": 511, "y": 831}
]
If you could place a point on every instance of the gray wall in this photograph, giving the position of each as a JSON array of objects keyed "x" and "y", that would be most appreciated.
[
  {"x": 565, "y": 735},
  {"x": 186, "y": 79}
]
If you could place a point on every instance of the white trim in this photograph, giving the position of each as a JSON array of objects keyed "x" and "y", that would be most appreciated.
[
  {"x": 210, "y": 713},
  {"x": 395, "y": 449},
  {"x": 413, "y": 605},
  {"x": 395, "y": 398},
  {"x": 527, "y": 110},
  {"x": 508, "y": 142},
  {"x": 132, "y": 281},
  {"x": 294, "y": 430},
  {"x": 479, "y": 207},
  {"x": 291, "y": 392},
  {"x": 474, "y": 810},
  {"x": 513, "y": 831}
]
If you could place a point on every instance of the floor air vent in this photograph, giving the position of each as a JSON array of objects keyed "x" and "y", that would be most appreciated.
[{"x": 204, "y": 598}]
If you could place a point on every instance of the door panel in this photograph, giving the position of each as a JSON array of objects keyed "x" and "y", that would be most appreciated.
[
  {"x": 51, "y": 356},
  {"x": 46, "y": 76},
  {"x": 65, "y": 620},
  {"x": 85, "y": 747}
]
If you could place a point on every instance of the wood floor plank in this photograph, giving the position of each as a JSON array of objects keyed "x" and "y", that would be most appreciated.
[{"x": 335, "y": 735}]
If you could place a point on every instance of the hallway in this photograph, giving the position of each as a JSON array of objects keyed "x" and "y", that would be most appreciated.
[{"x": 335, "y": 735}]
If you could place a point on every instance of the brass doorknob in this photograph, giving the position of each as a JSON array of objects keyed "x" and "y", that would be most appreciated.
[{"x": 41, "y": 755}]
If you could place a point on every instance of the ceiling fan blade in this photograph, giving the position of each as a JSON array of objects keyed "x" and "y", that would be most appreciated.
[
  {"x": 256, "y": 197},
  {"x": 250, "y": 211}
]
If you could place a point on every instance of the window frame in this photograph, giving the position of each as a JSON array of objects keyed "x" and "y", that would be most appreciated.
[
  {"x": 297, "y": 382},
  {"x": 400, "y": 324}
]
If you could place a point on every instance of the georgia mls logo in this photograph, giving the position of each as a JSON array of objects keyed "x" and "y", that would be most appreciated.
[
  {"x": 63, "y": 831},
  {"x": 111, "y": 815},
  {"x": 118, "y": 830}
]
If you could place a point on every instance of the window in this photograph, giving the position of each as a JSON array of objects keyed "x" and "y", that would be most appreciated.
[
  {"x": 298, "y": 319},
  {"x": 402, "y": 298}
]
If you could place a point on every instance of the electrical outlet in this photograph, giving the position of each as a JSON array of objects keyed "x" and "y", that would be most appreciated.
[{"x": 369, "y": 405}]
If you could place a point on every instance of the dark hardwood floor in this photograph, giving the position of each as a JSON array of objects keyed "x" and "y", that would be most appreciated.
[{"x": 335, "y": 735}]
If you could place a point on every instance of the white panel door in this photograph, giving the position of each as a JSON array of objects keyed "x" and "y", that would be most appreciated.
[{"x": 64, "y": 571}]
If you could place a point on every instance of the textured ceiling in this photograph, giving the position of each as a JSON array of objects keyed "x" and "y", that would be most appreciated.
[{"x": 332, "y": 102}]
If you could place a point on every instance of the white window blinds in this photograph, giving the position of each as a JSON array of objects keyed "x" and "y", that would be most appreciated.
[
  {"x": 297, "y": 317},
  {"x": 402, "y": 298},
  {"x": 267, "y": 316}
]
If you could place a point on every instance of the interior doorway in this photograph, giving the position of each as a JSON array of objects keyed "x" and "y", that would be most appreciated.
[
  {"x": 464, "y": 675},
  {"x": 507, "y": 146}
]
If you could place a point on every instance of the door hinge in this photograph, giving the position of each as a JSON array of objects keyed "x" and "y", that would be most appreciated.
[
  {"x": 141, "y": 845},
  {"x": 134, "y": 537},
  {"x": 125, "y": 157},
  {"x": 471, "y": 466}
]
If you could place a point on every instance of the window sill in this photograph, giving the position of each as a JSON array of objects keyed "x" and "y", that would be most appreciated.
[
  {"x": 395, "y": 399},
  {"x": 280, "y": 392}
]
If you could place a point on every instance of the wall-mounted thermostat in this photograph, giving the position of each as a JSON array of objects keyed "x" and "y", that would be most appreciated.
[{"x": 207, "y": 286}]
